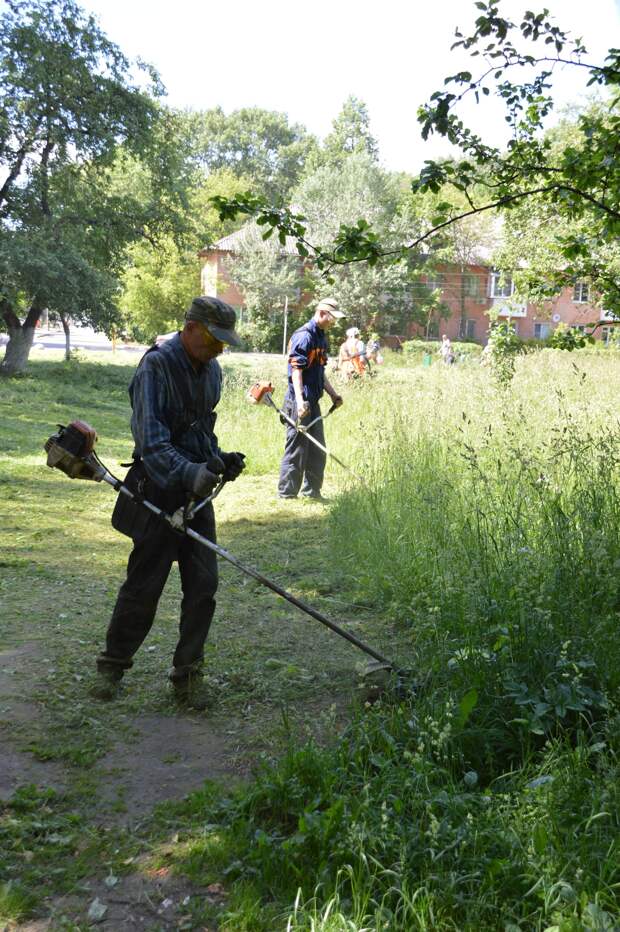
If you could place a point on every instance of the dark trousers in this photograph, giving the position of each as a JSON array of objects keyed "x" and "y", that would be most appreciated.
[
  {"x": 302, "y": 462},
  {"x": 147, "y": 571}
]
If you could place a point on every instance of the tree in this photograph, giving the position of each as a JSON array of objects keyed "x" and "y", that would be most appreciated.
[
  {"x": 378, "y": 295},
  {"x": 270, "y": 279},
  {"x": 255, "y": 144},
  {"x": 581, "y": 181},
  {"x": 350, "y": 135},
  {"x": 67, "y": 106},
  {"x": 160, "y": 279},
  {"x": 536, "y": 234},
  {"x": 374, "y": 296},
  {"x": 158, "y": 286}
]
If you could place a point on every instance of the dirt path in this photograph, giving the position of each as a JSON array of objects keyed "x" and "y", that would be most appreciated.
[{"x": 19, "y": 714}]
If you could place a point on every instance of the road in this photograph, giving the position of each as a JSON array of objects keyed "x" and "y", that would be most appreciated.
[
  {"x": 81, "y": 338},
  {"x": 87, "y": 339}
]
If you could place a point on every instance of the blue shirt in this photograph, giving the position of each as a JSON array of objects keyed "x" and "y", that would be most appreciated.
[
  {"x": 307, "y": 350},
  {"x": 173, "y": 416}
]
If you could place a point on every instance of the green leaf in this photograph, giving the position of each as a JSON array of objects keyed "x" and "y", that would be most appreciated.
[
  {"x": 466, "y": 706},
  {"x": 540, "y": 837}
]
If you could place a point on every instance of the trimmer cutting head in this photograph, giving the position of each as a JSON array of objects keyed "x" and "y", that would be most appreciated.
[{"x": 382, "y": 680}]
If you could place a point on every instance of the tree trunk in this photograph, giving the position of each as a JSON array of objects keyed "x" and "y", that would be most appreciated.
[
  {"x": 21, "y": 337},
  {"x": 463, "y": 321},
  {"x": 65, "y": 327}
]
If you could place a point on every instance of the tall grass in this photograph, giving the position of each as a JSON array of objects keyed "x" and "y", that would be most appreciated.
[{"x": 487, "y": 528}]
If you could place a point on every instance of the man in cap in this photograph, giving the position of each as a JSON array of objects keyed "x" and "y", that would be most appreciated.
[
  {"x": 303, "y": 462},
  {"x": 173, "y": 394},
  {"x": 352, "y": 360}
]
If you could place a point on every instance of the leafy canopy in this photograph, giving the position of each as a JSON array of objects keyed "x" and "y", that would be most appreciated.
[
  {"x": 254, "y": 144},
  {"x": 86, "y": 165},
  {"x": 581, "y": 180}
]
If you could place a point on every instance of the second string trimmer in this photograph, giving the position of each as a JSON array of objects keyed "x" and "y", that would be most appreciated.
[{"x": 261, "y": 393}]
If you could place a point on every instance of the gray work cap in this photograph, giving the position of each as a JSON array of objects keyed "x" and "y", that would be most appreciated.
[{"x": 218, "y": 317}]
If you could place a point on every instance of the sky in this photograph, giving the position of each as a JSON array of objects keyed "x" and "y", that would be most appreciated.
[{"x": 305, "y": 60}]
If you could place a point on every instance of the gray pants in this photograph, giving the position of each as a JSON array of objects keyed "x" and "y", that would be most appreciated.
[{"x": 302, "y": 462}]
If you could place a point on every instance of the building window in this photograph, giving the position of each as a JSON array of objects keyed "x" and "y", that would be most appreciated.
[
  {"x": 437, "y": 281},
  {"x": 467, "y": 329},
  {"x": 608, "y": 335},
  {"x": 541, "y": 331},
  {"x": 502, "y": 286},
  {"x": 471, "y": 285},
  {"x": 581, "y": 293}
]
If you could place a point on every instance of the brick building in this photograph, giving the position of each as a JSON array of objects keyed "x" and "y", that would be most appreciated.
[
  {"x": 214, "y": 278},
  {"x": 469, "y": 292}
]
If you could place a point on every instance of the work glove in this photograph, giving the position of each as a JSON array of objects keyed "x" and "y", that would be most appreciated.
[
  {"x": 303, "y": 409},
  {"x": 234, "y": 464},
  {"x": 337, "y": 401},
  {"x": 204, "y": 481},
  {"x": 215, "y": 464}
]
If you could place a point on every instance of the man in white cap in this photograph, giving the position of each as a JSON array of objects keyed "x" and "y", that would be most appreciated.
[
  {"x": 303, "y": 464},
  {"x": 352, "y": 357}
]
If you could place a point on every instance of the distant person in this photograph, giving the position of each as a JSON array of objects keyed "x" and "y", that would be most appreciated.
[
  {"x": 303, "y": 464},
  {"x": 446, "y": 352},
  {"x": 345, "y": 363},
  {"x": 373, "y": 350},
  {"x": 352, "y": 356}
]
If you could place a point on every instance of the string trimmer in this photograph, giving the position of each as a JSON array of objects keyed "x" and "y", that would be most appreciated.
[
  {"x": 71, "y": 450},
  {"x": 261, "y": 393}
]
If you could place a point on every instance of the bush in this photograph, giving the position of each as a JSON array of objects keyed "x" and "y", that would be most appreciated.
[{"x": 569, "y": 338}]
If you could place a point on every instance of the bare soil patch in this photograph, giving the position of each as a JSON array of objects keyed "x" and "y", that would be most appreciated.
[
  {"x": 169, "y": 757},
  {"x": 155, "y": 900},
  {"x": 18, "y": 716}
]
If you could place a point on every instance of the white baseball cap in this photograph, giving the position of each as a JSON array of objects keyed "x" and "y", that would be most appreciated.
[{"x": 331, "y": 306}]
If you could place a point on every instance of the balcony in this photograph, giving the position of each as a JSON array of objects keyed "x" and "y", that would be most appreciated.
[{"x": 504, "y": 308}]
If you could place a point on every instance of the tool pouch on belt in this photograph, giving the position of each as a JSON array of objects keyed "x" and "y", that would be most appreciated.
[{"x": 131, "y": 517}]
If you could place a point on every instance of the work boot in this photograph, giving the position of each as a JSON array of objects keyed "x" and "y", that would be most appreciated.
[
  {"x": 314, "y": 497},
  {"x": 107, "y": 686},
  {"x": 192, "y": 693}
]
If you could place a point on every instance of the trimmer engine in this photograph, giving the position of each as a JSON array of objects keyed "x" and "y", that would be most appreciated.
[
  {"x": 259, "y": 391},
  {"x": 71, "y": 450}
]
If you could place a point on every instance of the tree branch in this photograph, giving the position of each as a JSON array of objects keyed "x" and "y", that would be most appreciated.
[
  {"x": 21, "y": 154},
  {"x": 10, "y": 317}
]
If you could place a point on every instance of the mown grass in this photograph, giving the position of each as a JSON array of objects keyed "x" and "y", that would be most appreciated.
[{"x": 484, "y": 541}]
